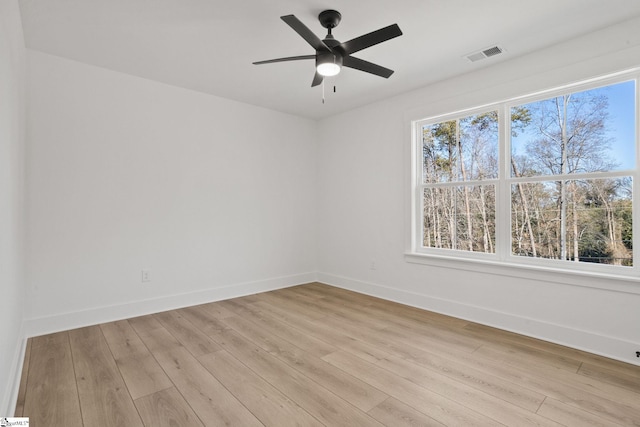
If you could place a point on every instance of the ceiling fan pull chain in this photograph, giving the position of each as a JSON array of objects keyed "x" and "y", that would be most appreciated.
[{"x": 323, "y": 91}]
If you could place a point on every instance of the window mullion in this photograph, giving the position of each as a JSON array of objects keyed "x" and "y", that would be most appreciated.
[
  {"x": 503, "y": 193},
  {"x": 417, "y": 177}
]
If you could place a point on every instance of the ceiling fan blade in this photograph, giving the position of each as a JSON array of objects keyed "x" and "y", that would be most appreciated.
[
  {"x": 370, "y": 39},
  {"x": 289, "y": 58},
  {"x": 305, "y": 32},
  {"x": 317, "y": 79},
  {"x": 366, "y": 66}
]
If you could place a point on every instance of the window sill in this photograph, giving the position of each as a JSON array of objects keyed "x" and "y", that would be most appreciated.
[{"x": 604, "y": 281}]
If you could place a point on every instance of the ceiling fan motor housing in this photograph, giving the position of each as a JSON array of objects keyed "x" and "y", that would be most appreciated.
[{"x": 328, "y": 57}]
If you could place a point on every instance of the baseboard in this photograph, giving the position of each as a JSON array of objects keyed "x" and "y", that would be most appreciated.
[
  {"x": 610, "y": 347},
  {"x": 97, "y": 315},
  {"x": 8, "y": 405}
]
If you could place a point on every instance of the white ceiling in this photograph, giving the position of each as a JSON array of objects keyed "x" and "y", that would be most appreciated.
[{"x": 209, "y": 45}]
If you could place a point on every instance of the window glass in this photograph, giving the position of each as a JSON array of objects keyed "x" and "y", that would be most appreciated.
[
  {"x": 460, "y": 217},
  {"x": 591, "y": 222},
  {"x": 588, "y": 131},
  {"x": 461, "y": 150}
]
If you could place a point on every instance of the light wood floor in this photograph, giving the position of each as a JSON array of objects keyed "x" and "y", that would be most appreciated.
[{"x": 316, "y": 355}]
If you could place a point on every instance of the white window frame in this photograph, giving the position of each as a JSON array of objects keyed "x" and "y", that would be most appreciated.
[{"x": 503, "y": 262}]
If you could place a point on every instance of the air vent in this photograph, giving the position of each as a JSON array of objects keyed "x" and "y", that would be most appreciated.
[
  {"x": 492, "y": 51},
  {"x": 484, "y": 53}
]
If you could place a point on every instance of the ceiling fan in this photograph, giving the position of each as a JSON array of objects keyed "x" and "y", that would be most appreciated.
[{"x": 330, "y": 54}]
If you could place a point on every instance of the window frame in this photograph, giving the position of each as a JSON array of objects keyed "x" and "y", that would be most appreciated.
[{"x": 503, "y": 261}]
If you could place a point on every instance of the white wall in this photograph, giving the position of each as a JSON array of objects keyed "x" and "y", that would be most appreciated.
[
  {"x": 12, "y": 290},
  {"x": 364, "y": 207},
  {"x": 214, "y": 197}
]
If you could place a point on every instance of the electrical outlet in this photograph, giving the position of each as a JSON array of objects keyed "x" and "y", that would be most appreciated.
[
  {"x": 373, "y": 265},
  {"x": 637, "y": 353},
  {"x": 146, "y": 275}
]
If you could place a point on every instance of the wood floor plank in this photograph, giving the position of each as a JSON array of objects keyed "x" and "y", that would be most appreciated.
[
  {"x": 421, "y": 334},
  {"x": 390, "y": 306},
  {"x": 420, "y": 315},
  {"x": 508, "y": 391},
  {"x": 306, "y": 310},
  {"x": 210, "y": 400},
  {"x": 166, "y": 408},
  {"x": 140, "y": 371},
  {"x": 266, "y": 402},
  {"x": 292, "y": 294},
  {"x": 571, "y": 416},
  {"x": 304, "y": 341},
  {"x": 566, "y": 387},
  {"x": 481, "y": 402},
  {"x": 323, "y": 332},
  {"x": 52, "y": 396},
  {"x": 335, "y": 335},
  {"x": 22, "y": 391},
  {"x": 489, "y": 334},
  {"x": 336, "y": 306},
  {"x": 387, "y": 341},
  {"x": 354, "y": 391},
  {"x": 204, "y": 320},
  {"x": 247, "y": 298},
  {"x": 401, "y": 344},
  {"x": 440, "y": 408},
  {"x": 394, "y": 413},
  {"x": 216, "y": 310},
  {"x": 622, "y": 368},
  {"x": 616, "y": 377},
  {"x": 191, "y": 338},
  {"x": 352, "y": 297},
  {"x": 144, "y": 324},
  {"x": 562, "y": 385},
  {"x": 382, "y": 315},
  {"x": 426, "y": 329},
  {"x": 590, "y": 385},
  {"x": 524, "y": 354},
  {"x": 307, "y": 291},
  {"x": 325, "y": 406},
  {"x": 104, "y": 398}
]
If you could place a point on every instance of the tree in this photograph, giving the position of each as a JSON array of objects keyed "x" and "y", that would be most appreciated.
[
  {"x": 459, "y": 151},
  {"x": 573, "y": 219}
]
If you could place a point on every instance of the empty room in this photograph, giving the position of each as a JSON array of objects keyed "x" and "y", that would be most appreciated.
[{"x": 413, "y": 213}]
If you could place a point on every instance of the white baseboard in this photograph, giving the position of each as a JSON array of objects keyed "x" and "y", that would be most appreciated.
[
  {"x": 610, "y": 347},
  {"x": 10, "y": 395},
  {"x": 97, "y": 315}
]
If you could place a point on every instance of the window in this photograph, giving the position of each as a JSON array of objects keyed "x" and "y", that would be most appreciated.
[
  {"x": 459, "y": 170},
  {"x": 542, "y": 181}
]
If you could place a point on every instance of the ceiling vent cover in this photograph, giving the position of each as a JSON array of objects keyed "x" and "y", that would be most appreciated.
[{"x": 484, "y": 53}]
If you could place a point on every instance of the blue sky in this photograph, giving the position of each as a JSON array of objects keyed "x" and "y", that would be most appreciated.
[
  {"x": 621, "y": 125},
  {"x": 621, "y": 113}
]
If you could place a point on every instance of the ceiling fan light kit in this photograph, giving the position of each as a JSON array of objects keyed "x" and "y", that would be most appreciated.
[
  {"x": 328, "y": 64},
  {"x": 328, "y": 69},
  {"x": 331, "y": 55}
]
